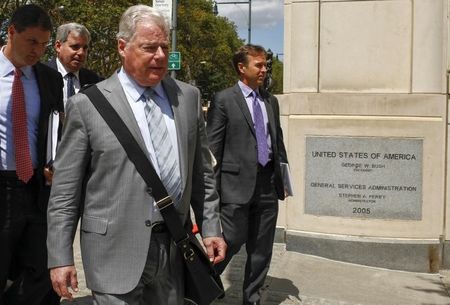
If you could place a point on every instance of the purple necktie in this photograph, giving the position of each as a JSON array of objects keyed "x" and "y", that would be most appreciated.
[{"x": 261, "y": 139}]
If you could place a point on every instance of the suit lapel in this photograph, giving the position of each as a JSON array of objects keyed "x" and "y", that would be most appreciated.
[
  {"x": 82, "y": 76},
  {"x": 114, "y": 93},
  {"x": 242, "y": 103},
  {"x": 45, "y": 108},
  {"x": 87, "y": 77},
  {"x": 271, "y": 118},
  {"x": 175, "y": 97}
]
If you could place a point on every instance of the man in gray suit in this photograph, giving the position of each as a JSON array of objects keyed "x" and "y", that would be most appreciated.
[
  {"x": 247, "y": 141},
  {"x": 127, "y": 251}
]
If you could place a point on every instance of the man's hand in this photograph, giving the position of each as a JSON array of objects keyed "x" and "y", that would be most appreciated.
[
  {"x": 63, "y": 278},
  {"x": 215, "y": 248},
  {"x": 48, "y": 174}
]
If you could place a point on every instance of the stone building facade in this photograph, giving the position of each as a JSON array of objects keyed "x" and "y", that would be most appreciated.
[{"x": 363, "y": 78}]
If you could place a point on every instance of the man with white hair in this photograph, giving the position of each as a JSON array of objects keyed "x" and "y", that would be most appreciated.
[{"x": 128, "y": 254}]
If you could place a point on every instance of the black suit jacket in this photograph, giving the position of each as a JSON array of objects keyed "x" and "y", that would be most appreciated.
[
  {"x": 50, "y": 85},
  {"x": 87, "y": 76},
  {"x": 232, "y": 141}
]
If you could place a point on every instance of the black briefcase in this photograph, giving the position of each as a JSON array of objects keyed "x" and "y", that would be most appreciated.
[{"x": 202, "y": 283}]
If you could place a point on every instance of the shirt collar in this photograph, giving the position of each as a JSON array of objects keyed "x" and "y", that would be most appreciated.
[
  {"x": 63, "y": 69},
  {"x": 6, "y": 66},
  {"x": 159, "y": 90},
  {"x": 135, "y": 90},
  {"x": 246, "y": 90}
]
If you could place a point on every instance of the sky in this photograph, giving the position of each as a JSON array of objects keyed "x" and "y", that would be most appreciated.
[{"x": 267, "y": 22}]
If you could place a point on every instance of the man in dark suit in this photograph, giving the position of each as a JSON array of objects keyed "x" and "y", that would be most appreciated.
[
  {"x": 246, "y": 139},
  {"x": 72, "y": 46},
  {"x": 29, "y": 92}
]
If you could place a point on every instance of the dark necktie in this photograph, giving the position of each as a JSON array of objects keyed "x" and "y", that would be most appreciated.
[
  {"x": 24, "y": 166},
  {"x": 261, "y": 138},
  {"x": 70, "y": 84},
  {"x": 164, "y": 152}
]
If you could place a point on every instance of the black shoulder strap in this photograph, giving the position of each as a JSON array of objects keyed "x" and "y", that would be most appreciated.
[
  {"x": 139, "y": 159},
  {"x": 129, "y": 143}
]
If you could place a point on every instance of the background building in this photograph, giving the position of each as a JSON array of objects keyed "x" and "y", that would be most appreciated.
[{"x": 365, "y": 117}]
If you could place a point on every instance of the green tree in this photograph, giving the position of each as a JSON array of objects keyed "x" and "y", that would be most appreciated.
[
  {"x": 206, "y": 43},
  {"x": 277, "y": 76},
  {"x": 6, "y": 9},
  {"x": 101, "y": 17}
]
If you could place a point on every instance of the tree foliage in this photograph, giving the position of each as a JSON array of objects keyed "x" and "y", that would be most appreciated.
[
  {"x": 101, "y": 17},
  {"x": 206, "y": 42},
  {"x": 277, "y": 76}
]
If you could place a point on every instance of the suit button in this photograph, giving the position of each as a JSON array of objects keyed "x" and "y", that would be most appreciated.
[
  {"x": 149, "y": 190},
  {"x": 148, "y": 223}
]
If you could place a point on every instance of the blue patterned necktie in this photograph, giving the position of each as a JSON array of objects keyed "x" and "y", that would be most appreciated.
[
  {"x": 261, "y": 138},
  {"x": 70, "y": 84},
  {"x": 166, "y": 157}
]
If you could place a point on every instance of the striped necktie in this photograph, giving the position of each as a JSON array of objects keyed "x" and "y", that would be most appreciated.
[{"x": 166, "y": 157}]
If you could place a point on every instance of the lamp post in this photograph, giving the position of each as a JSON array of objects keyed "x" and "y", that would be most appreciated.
[
  {"x": 173, "y": 74},
  {"x": 216, "y": 11}
]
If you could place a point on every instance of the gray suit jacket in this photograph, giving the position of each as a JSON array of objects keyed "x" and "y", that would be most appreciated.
[{"x": 95, "y": 180}]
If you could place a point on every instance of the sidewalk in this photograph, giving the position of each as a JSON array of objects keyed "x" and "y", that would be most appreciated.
[{"x": 298, "y": 279}]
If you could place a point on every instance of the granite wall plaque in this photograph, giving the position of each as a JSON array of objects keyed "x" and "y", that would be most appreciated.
[{"x": 364, "y": 177}]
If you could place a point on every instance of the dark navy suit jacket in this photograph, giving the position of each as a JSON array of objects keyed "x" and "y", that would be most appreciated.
[
  {"x": 87, "y": 76},
  {"x": 50, "y": 85}
]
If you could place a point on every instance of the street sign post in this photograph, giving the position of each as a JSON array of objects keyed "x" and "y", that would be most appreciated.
[
  {"x": 165, "y": 6},
  {"x": 174, "y": 61}
]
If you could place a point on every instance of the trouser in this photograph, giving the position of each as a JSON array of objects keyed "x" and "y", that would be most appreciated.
[
  {"x": 254, "y": 224},
  {"x": 162, "y": 281},
  {"x": 23, "y": 255}
]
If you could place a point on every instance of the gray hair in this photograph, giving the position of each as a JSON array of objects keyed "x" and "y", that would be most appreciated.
[
  {"x": 140, "y": 13},
  {"x": 63, "y": 31}
]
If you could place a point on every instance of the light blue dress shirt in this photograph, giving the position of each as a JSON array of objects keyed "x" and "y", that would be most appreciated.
[
  {"x": 32, "y": 104},
  {"x": 134, "y": 93},
  {"x": 247, "y": 92}
]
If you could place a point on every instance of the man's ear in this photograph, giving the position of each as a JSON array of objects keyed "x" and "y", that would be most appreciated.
[
  {"x": 58, "y": 46},
  {"x": 121, "y": 45},
  {"x": 241, "y": 67},
  {"x": 11, "y": 31}
]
